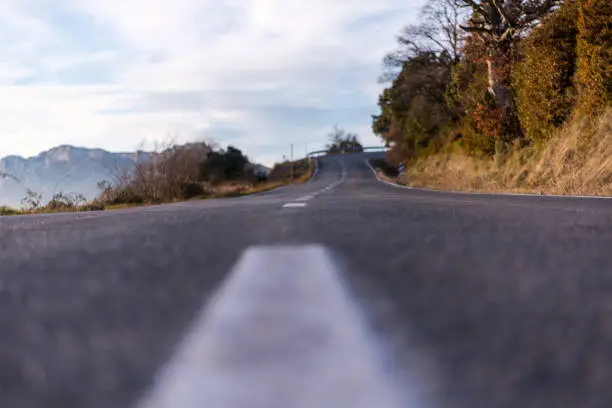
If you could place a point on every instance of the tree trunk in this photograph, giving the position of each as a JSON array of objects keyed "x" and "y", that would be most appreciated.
[
  {"x": 499, "y": 64},
  {"x": 498, "y": 82}
]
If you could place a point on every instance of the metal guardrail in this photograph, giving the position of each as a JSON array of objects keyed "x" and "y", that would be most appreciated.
[
  {"x": 376, "y": 149},
  {"x": 318, "y": 153}
]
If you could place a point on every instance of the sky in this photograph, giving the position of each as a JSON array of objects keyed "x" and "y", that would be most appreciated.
[{"x": 133, "y": 74}]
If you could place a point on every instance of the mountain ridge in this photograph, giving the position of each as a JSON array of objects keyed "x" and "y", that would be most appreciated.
[{"x": 65, "y": 168}]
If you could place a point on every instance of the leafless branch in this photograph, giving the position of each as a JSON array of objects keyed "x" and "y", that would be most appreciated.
[
  {"x": 477, "y": 8},
  {"x": 9, "y": 176},
  {"x": 474, "y": 29}
]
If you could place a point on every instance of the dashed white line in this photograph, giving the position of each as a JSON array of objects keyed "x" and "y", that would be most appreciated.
[
  {"x": 306, "y": 198},
  {"x": 301, "y": 201},
  {"x": 338, "y": 182},
  {"x": 281, "y": 332}
]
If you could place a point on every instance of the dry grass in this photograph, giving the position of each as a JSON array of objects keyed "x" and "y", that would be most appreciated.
[
  {"x": 306, "y": 171},
  {"x": 300, "y": 169},
  {"x": 113, "y": 207},
  {"x": 5, "y": 211},
  {"x": 303, "y": 172},
  {"x": 578, "y": 160},
  {"x": 244, "y": 190}
]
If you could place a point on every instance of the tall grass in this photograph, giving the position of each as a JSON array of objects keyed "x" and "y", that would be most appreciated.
[{"x": 576, "y": 160}]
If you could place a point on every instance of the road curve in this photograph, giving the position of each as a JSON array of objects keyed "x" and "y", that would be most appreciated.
[{"x": 444, "y": 300}]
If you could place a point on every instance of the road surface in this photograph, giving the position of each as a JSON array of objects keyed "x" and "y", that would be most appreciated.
[{"x": 339, "y": 292}]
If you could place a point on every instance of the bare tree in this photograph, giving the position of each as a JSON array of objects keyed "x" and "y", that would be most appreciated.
[
  {"x": 439, "y": 32},
  {"x": 336, "y": 136},
  {"x": 31, "y": 201},
  {"x": 341, "y": 140},
  {"x": 499, "y": 24},
  {"x": 8, "y": 176},
  {"x": 63, "y": 200}
]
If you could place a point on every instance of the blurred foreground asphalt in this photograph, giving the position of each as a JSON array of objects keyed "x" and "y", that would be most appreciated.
[{"x": 480, "y": 300}]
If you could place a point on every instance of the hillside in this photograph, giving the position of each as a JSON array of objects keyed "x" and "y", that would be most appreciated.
[{"x": 472, "y": 104}]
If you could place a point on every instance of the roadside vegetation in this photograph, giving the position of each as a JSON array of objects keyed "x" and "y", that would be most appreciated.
[
  {"x": 4, "y": 210},
  {"x": 502, "y": 96},
  {"x": 179, "y": 173},
  {"x": 341, "y": 141},
  {"x": 291, "y": 172},
  {"x": 174, "y": 173}
]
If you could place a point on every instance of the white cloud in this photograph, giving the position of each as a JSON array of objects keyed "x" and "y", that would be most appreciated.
[{"x": 257, "y": 73}]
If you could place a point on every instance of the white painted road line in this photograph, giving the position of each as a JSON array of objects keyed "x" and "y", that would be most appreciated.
[
  {"x": 335, "y": 183},
  {"x": 305, "y": 198},
  {"x": 282, "y": 332},
  {"x": 385, "y": 181},
  {"x": 294, "y": 205}
]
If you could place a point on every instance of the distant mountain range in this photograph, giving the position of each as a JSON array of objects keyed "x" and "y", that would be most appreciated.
[
  {"x": 69, "y": 169},
  {"x": 63, "y": 168}
]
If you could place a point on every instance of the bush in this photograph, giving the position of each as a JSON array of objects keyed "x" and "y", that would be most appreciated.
[
  {"x": 92, "y": 206},
  {"x": 178, "y": 173},
  {"x": 4, "y": 210},
  {"x": 543, "y": 79},
  {"x": 475, "y": 142},
  {"x": 594, "y": 64},
  {"x": 223, "y": 165},
  {"x": 32, "y": 201},
  {"x": 121, "y": 195},
  {"x": 282, "y": 171},
  {"x": 414, "y": 109},
  {"x": 388, "y": 168},
  {"x": 63, "y": 201},
  {"x": 193, "y": 189}
]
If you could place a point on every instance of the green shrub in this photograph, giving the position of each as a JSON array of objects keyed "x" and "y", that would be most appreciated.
[
  {"x": 389, "y": 169},
  {"x": 193, "y": 189},
  {"x": 4, "y": 210},
  {"x": 475, "y": 142},
  {"x": 543, "y": 79},
  {"x": 223, "y": 165},
  {"x": 414, "y": 109},
  {"x": 92, "y": 206},
  {"x": 121, "y": 195},
  {"x": 282, "y": 171}
]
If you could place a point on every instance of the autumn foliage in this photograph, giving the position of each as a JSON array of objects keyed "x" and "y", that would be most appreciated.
[
  {"x": 520, "y": 71},
  {"x": 543, "y": 78}
]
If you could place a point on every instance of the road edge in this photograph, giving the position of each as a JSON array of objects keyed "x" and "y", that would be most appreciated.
[{"x": 477, "y": 193}]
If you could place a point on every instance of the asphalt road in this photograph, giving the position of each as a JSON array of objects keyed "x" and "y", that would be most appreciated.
[{"x": 477, "y": 300}]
